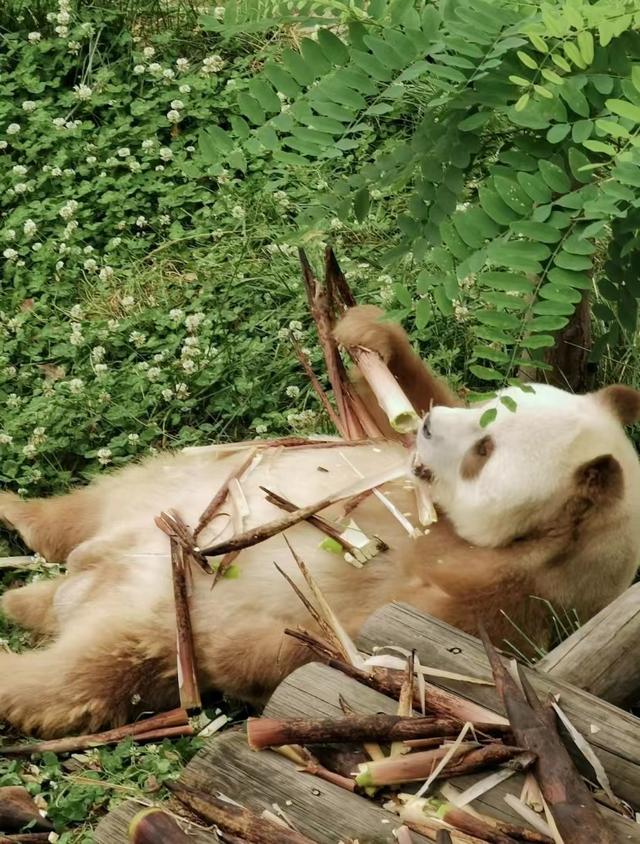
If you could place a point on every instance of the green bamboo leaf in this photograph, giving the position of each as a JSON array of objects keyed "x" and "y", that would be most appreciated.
[
  {"x": 537, "y": 231},
  {"x": 488, "y": 416},
  {"x": 558, "y": 133},
  {"x": 334, "y": 49},
  {"x": 624, "y": 109},
  {"x": 554, "y": 176},
  {"x": 485, "y": 373}
]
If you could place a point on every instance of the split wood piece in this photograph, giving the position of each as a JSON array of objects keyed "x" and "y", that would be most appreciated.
[
  {"x": 322, "y": 811},
  {"x": 218, "y": 499},
  {"x": 602, "y": 656},
  {"x": 314, "y": 691},
  {"x": 172, "y": 723},
  {"x": 418, "y": 766},
  {"x": 355, "y": 729},
  {"x": 571, "y": 803},
  {"x": 175, "y": 528},
  {"x": 328, "y": 528},
  {"x": 17, "y": 809},
  {"x": 444, "y": 703},
  {"x": 235, "y": 819},
  {"x": 155, "y": 826},
  {"x": 616, "y": 739},
  {"x": 113, "y": 828},
  {"x": 187, "y": 671}
]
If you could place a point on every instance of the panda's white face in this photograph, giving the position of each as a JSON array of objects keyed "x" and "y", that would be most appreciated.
[{"x": 498, "y": 481}]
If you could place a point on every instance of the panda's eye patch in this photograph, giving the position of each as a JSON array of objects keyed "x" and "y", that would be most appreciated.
[{"x": 476, "y": 457}]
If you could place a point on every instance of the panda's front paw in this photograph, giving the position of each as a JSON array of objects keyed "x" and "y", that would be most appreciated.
[{"x": 364, "y": 326}]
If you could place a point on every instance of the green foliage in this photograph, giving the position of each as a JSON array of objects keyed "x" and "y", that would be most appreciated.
[{"x": 522, "y": 161}]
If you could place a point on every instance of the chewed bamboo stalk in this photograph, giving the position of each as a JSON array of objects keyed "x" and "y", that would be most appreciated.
[
  {"x": 146, "y": 728},
  {"x": 187, "y": 672},
  {"x": 272, "y": 732},
  {"x": 400, "y": 412},
  {"x": 173, "y": 526},
  {"x": 411, "y": 768},
  {"x": 218, "y": 499}
]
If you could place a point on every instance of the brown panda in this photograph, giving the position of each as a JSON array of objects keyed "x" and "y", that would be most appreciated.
[{"x": 545, "y": 502}]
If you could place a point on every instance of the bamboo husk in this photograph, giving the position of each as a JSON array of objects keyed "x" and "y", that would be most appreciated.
[
  {"x": 235, "y": 819},
  {"x": 354, "y": 729},
  {"x": 570, "y": 802},
  {"x": 156, "y": 727},
  {"x": 218, "y": 499},
  {"x": 17, "y": 809},
  {"x": 187, "y": 672},
  {"x": 155, "y": 826},
  {"x": 172, "y": 525}
]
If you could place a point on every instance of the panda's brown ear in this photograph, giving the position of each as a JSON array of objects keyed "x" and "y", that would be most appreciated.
[
  {"x": 600, "y": 478},
  {"x": 623, "y": 401}
]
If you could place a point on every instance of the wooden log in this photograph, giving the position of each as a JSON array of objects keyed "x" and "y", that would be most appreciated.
[
  {"x": 320, "y": 810},
  {"x": 273, "y": 732},
  {"x": 574, "y": 810},
  {"x": 315, "y": 691},
  {"x": 617, "y": 740},
  {"x": 602, "y": 656}
]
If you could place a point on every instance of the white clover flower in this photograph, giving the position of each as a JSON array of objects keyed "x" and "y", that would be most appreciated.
[
  {"x": 137, "y": 339},
  {"x": 59, "y": 265},
  {"x": 3, "y": 145},
  {"x": 10, "y": 254},
  {"x": 29, "y": 228},
  {"x": 176, "y": 314},
  {"x": 148, "y": 144},
  {"x": 19, "y": 170},
  {"x": 139, "y": 69},
  {"x": 113, "y": 324},
  {"x": 133, "y": 438},
  {"x": 104, "y": 456},
  {"x": 190, "y": 148},
  {"x": 13, "y": 400},
  {"x": 174, "y": 116},
  {"x": 114, "y": 243},
  {"x": 295, "y": 325},
  {"x": 34, "y": 37},
  {"x": 13, "y": 128},
  {"x": 376, "y": 194},
  {"x": 97, "y": 353},
  {"x": 127, "y": 302},
  {"x": 10, "y": 234},
  {"x": 177, "y": 104},
  {"x": 293, "y": 392},
  {"x": 335, "y": 224},
  {"x": 100, "y": 369},
  {"x": 63, "y": 17},
  {"x": 72, "y": 124},
  {"x": 168, "y": 73},
  {"x": 223, "y": 177},
  {"x": 194, "y": 320},
  {"x": 460, "y": 311},
  {"x": 148, "y": 52},
  {"x": 90, "y": 265},
  {"x": 182, "y": 64},
  {"x": 159, "y": 168},
  {"x": 82, "y": 92},
  {"x": 261, "y": 429},
  {"x": 73, "y": 47},
  {"x": 188, "y": 365},
  {"x": 62, "y": 31},
  {"x": 238, "y": 212},
  {"x": 141, "y": 222},
  {"x": 155, "y": 68},
  {"x": 21, "y": 187},
  {"x": 29, "y": 106},
  {"x": 91, "y": 159},
  {"x": 37, "y": 246},
  {"x": 164, "y": 219},
  {"x": 153, "y": 373},
  {"x": 29, "y": 450},
  {"x": 76, "y": 386},
  {"x": 143, "y": 365},
  {"x": 165, "y": 153},
  {"x": 124, "y": 152},
  {"x": 213, "y": 64},
  {"x": 105, "y": 273},
  {"x": 112, "y": 162},
  {"x": 68, "y": 209},
  {"x": 167, "y": 394},
  {"x": 185, "y": 89},
  {"x": 5, "y": 439},
  {"x": 281, "y": 198},
  {"x": 39, "y": 436}
]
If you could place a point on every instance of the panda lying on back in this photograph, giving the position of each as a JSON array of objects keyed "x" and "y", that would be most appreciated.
[{"x": 543, "y": 502}]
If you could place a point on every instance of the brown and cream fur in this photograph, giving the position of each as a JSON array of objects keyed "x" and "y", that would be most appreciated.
[{"x": 110, "y": 621}]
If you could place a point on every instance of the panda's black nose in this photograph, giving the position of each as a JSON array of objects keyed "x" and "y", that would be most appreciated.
[{"x": 426, "y": 426}]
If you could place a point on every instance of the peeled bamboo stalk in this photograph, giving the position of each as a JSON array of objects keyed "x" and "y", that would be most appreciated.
[
  {"x": 389, "y": 394},
  {"x": 149, "y": 728}
]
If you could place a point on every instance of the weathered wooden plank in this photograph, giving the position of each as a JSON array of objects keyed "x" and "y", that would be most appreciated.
[
  {"x": 314, "y": 691},
  {"x": 323, "y": 811},
  {"x": 602, "y": 656},
  {"x": 617, "y": 740},
  {"x": 112, "y": 829}
]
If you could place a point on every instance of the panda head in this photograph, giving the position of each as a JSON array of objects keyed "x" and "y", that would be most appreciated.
[{"x": 542, "y": 448}]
